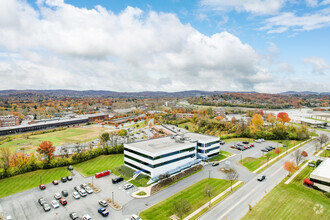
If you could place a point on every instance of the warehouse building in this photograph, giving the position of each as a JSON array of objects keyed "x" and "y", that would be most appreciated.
[{"x": 321, "y": 175}]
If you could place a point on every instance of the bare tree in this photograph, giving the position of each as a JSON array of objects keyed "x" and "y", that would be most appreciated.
[
  {"x": 208, "y": 191},
  {"x": 317, "y": 146},
  {"x": 297, "y": 157},
  {"x": 181, "y": 207},
  {"x": 5, "y": 159},
  {"x": 268, "y": 156},
  {"x": 322, "y": 139},
  {"x": 232, "y": 176}
]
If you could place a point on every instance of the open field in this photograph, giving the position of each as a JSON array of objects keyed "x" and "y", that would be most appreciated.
[
  {"x": 292, "y": 201},
  {"x": 253, "y": 163},
  {"x": 108, "y": 162},
  {"x": 29, "y": 180},
  {"x": 70, "y": 135},
  {"x": 194, "y": 194}
]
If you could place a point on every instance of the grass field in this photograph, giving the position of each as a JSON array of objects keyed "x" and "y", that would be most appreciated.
[
  {"x": 292, "y": 201},
  {"x": 223, "y": 155},
  {"x": 108, "y": 162},
  {"x": 194, "y": 194},
  {"x": 238, "y": 139},
  {"x": 29, "y": 180},
  {"x": 127, "y": 173},
  {"x": 70, "y": 135}
]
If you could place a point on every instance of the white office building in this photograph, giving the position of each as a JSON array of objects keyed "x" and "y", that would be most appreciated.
[
  {"x": 170, "y": 154},
  {"x": 321, "y": 175}
]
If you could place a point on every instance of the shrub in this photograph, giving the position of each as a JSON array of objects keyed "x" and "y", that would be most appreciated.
[
  {"x": 327, "y": 194},
  {"x": 308, "y": 182}
]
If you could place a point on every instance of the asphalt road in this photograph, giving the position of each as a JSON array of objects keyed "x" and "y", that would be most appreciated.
[{"x": 236, "y": 205}]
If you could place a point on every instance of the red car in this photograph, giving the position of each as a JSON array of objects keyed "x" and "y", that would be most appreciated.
[
  {"x": 63, "y": 201},
  {"x": 55, "y": 182},
  {"x": 42, "y": 186}
]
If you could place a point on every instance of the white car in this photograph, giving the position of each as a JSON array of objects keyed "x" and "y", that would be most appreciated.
[
  {"x": 55, "y": 204},
  {"x": 135, "y": 217},
  {"x": 9, "y": 218},
  {"x": 87, "y": 217},
  {"x": 76, "y": 195},
  {"x": 82, "y": 192},
  {"x": 89, "y": 190},
  {"x": 258, "y": 141},
  {"x": 128, "y": 186},
  {"x": 57, "y": 196},
  {"x": 103, "y": 203}
]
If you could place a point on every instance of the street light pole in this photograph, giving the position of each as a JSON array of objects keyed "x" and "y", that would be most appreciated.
[
  {"x": 92, "y": 180},
  {"x": 209, "y": 174},
  {"x": 40, "y": 179},
  {"x": 113, "y": 202}
]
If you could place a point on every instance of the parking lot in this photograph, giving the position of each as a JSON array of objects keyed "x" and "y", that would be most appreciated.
[
  {"x": 250, "y": 152},
  {"x": 25, "y": 205}
]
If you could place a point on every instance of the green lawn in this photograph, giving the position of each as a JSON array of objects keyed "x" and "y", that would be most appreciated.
[
  {"x": 29, "y": 180},
  {"x": 239, "y": 139},
  {"x": 127, "y": 173},
  {"x": 325, "y": 153},
  {"x": 223, "y": 155},
  {"x": 70, "y": 135},
  {"x": 194, "y": 194},
  {"x": 108, "y": 162},
  {"x": 292, "y": 201}
]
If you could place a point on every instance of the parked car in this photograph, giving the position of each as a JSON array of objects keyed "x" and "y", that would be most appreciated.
[
  {"x": 245, "y": 142},
  {"x": 264, "y": 150},
  {"x": 103, "y": 203},
  {"x": 89, "y": 190},
  {"x": 63, "y": 201},
  {"x": 57, "y": 196},
  {"x": 69, "y": 178},
  {"x": 222, "y": 142},
  {"x": 87, "y": 217},
  {"x": 9, "y": 217},
  {"x": 262, "y": 140},
  {"x": 84, "y": 185},
  {"x": 233, "y": 147},
  {"x": 240, "y": 144},
  {"x": 73, "y": 215},
  {"x": 135, "y": 217},
  {"x": 70, "y": 167},
  {"x": 251, "y": 145},
  {"x": 42, "y": 201},
  {"x": 258, "y": 141},
  {"x": 242, "y": 148},
  {"x": 55, "y": 204},
  {"x": 103, "y": 212},
  {"x": 272, "y": 147},
  {"x": 63, "y": 179},
  {"x": 215, "y": 164},
  {"x": 77, "y": 188},
  {"x": 46, "y": 207},
  {"x": 76, "y": 195},
  {"x": 269, "y": 148},
  {"x": 65, "y": 193},
  {"x": 42, "y": 186},
  {"x": 55, "y": 182},
  {"x": 82, "y": 192},
  {"x": 128, "y": 186},
  {"x": 261, "y": 178},
  {"x": 117, "y": 180}
]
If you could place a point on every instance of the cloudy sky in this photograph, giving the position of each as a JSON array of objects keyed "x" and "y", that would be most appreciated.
[{"x": 169, "y": 45}]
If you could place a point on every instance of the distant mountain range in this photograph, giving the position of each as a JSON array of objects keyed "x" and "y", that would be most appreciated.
[{"x": 94, "y": 93}]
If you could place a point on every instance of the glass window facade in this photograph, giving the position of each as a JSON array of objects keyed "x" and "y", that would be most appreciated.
[{"x": 191, "y": 149}]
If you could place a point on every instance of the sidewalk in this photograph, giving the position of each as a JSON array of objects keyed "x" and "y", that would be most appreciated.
[{"x": 212, "y": 200}]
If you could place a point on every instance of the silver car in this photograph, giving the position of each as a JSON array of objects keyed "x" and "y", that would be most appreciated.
[
  {"x": 55, "y": 204},
  {"x": 76, "y": 195},
  {"x": 46, "y": 207},
  {"x": 82, "y": 193},
  {"x": 89, "y": 190}
]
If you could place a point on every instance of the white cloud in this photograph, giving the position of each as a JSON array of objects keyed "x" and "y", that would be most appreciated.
[
  {"x": 250, "y": 6},
  {"x": 62, "y": 46},
  {"x": 319, "y": 65},
  {"x": 312, "y": 3},
  {"x": 289, "y": 21}
]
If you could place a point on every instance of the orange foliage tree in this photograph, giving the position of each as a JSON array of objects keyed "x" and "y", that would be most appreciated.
[
  {"x": 47, "y": 148},
  {"x": 290, "y": 166},
  {"x": 277, "y": 151},
  {"x": 304, "y": 154},
  {"x": 283, "y": 117}
]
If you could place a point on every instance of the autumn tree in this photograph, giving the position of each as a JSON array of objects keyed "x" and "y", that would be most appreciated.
[
  {"x": 271, "y": 118},
  {"x": 105, "y": 137},
  {"x": 257, "y": 121},
  {"x": 304, "y": 154},
  {"x": 5, "y": 159},
  {"x": 122, "y": 132},
  {"x": 290, "y": 167},
  {"x": 181, "y": 207},
  {"x": 283, "y": 117},
  {"x": 277, "y": 151},
  {"x": 46, "y": 148}
]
